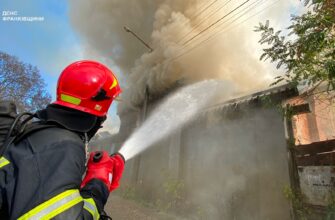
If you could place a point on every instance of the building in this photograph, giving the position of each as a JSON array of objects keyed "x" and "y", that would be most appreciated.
[{"x": 233, "y": 162}]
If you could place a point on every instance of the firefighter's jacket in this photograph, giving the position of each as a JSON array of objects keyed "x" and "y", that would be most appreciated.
[{"x": 40, "y": 178}]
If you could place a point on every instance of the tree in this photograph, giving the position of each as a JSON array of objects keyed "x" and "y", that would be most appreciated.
[
  {"x": 308, "y": 52},
  {"x": 22, "y": 83}
]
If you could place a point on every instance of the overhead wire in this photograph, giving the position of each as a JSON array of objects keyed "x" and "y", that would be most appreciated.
[
  {"x": 203, "y": 10},
  {"x": 185, "y": 46},
  {"x": 188, "y": 50},
  {"x": 203, "y": 20},
  {"x": 239, "y": 14},
  {"x": 259, "y": 12},
  {"x": 216, "y": 22}
]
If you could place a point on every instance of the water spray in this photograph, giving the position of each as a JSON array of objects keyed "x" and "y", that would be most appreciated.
[{"x": 175, "y": 111}]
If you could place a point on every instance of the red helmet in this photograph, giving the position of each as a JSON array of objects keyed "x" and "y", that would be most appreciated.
[{"x": 87, "y": 86}]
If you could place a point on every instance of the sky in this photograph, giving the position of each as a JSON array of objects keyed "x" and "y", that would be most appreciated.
[
  {"x": 50, "y": 44},
  {"x": 53, "y": 43}
]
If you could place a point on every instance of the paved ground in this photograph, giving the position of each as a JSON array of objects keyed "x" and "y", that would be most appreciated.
[{"x": 122, "y": 209}]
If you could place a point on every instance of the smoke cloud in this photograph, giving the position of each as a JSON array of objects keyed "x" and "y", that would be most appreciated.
[{"x": 166, "y": 25}]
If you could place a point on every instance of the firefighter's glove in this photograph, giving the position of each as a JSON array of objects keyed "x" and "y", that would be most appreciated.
[{"x": 106, "y": 168}]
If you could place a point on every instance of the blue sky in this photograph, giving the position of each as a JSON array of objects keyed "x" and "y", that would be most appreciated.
[
  {"x": 40, "y": 43},
  {"x": 50, "y": 44}
]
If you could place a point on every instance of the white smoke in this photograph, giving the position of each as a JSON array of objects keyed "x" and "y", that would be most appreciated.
[{"x": 232, "y": 56}]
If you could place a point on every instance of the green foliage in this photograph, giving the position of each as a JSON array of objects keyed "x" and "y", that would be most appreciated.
[
  {"x": 302, "y": 211},
  {"x": 201, "y": 213},
  {"x": 331, "y": 206},
  {"x": 128, "y": 192},
  {"x": 22, "y": 83},
  {"x": 308, "y": 53},
  {"x": 174, "y": 187},
  {"x": 297, "y": 200},
  {"x": 172, "y": 197},
  {"x": 286, "y": 111}
]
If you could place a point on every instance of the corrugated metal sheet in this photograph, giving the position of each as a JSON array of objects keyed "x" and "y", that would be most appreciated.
[{"x": 281, "y": 92}]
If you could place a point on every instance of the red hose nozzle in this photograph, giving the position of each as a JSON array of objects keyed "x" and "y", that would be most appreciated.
[{"x": 122, "y": 157}]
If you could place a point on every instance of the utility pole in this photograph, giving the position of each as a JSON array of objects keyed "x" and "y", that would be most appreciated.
[
  {"x": 138, "y": 38},
  {"x": 290, "y": 111},
  {"x": 137, "y": 160}
]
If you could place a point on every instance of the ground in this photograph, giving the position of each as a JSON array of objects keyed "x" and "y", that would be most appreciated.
[{"x": 121, "y": 209}]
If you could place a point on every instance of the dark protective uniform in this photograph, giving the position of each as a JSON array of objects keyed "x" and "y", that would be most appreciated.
[{"x": 40, "y": 176}]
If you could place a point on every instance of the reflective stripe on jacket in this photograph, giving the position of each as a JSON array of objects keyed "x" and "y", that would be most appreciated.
[
  {"x": 3, "y": 162},
  {"x": 60, "y": 204},
  {"x": 41, "y": 175}
]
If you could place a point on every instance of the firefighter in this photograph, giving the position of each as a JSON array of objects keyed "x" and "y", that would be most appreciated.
[{"x": 41, "y": 177}]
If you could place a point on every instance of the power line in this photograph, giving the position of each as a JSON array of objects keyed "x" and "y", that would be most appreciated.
[
  {"x": 203, "y": 10},
  {"x": 220, "y": 32},
  {"x": 243, "y": 12},
  {"x": 257, "y": 13},
  {"x": 195, "y": 16},
  {"x": 198, "y": 44},
  {"x": 220, "y": 24},
  {"x": 202, "y": 21},
  {"x": 168, "y": 61},
  {"x": 217, "y": 21}
]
